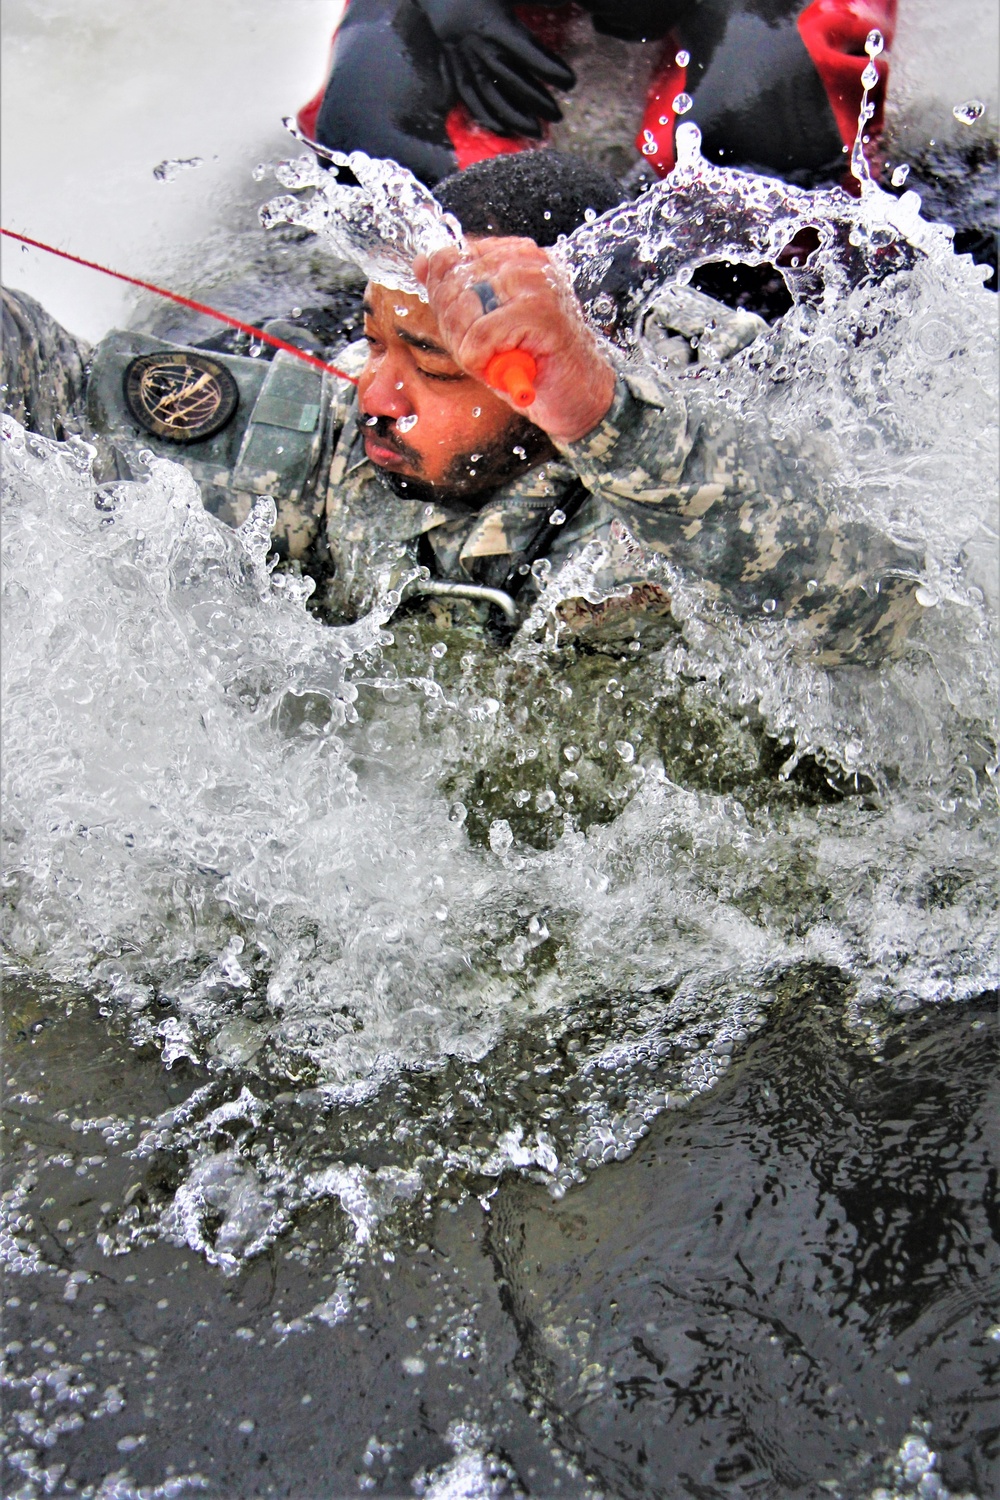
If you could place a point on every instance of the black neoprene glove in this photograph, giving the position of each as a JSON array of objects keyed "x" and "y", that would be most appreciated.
[{"x": 497, "y": 68}]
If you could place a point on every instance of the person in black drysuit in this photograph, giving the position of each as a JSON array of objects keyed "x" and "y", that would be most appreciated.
[{"x": 435, "y": 84}]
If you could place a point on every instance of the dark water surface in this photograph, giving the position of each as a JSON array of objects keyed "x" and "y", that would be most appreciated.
[{"x": 788, "y": 1281}]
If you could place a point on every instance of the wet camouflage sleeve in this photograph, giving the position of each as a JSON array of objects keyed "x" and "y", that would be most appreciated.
[
  {"x": 750, "y": 517},
  {"x": 43, "y": 369}
]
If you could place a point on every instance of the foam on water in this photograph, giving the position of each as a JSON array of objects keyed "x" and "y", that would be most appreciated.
[{"x": 474, "y": 909}]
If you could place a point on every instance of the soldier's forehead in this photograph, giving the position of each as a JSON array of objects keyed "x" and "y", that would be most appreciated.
[
  {"x": 411, "y": 320},
  {"x": 398, "y": 307}
]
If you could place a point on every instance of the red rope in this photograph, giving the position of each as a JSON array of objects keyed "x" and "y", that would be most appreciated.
[{"x": 149, "y": 286}]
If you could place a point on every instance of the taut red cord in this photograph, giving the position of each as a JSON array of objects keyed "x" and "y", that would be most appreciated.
[{"x": 202, "y": 307}]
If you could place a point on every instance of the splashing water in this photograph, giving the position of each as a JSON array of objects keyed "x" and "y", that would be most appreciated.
[
  {"x": 969, "y": 112},
  {"x": 380, "y": 225},
  {"x": 366, "y": 880}
]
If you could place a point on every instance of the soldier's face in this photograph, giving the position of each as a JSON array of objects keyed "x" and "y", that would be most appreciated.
[{"x": 423, "y": 417}]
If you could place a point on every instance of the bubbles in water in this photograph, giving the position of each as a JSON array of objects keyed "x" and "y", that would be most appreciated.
[
  {"x": 501, "y": 836},
  {"x": 970, "y": 112},
  {"x": 682, "y": 104}
]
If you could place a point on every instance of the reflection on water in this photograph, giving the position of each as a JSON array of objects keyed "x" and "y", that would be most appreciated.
[{"x": 788, "y": 1289}]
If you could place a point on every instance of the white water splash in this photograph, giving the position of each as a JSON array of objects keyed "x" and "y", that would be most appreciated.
[
  {"x": 379, "y": 225},
  {"x": 218, "y": 808}
]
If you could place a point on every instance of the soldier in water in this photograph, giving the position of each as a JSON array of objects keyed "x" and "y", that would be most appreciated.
[{"x": 424, "y": 464}]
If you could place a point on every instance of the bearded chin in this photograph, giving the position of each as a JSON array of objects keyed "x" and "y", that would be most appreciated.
[{"x": 470, "y": 479}]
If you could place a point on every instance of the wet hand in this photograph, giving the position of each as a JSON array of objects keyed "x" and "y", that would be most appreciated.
[{"x": 527, "y": 305}]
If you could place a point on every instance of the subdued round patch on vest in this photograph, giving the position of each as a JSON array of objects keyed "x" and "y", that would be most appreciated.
[{"x": 181, "y": 396}]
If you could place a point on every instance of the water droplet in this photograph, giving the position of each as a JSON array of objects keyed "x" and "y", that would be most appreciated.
[
  {"x": 399, "y": 385},
  {"x": 970, "y": 112},
  {"x": 546, "y": 214},
  {"x": 769, "y": 606},
  {"x": 371, "y": 421},
  {"x": 246, "y": 1426},
  {"x": 874, "y": 43},
  {"x": 557, "y": 518},
  {"x": 405, "y": 424},
  {"x": 501, "y": 836},
  {"x": 664, "y": 119},
  {"x": 688, "y": 143},
  {"x": 438, "y": 650},
  {"x": 812, "y": 586},
  {"x": 682, "y": 104},
  {"x": 475, "y": 457},
  {"x": 590, "y": 214},
  {"x": 519, "y": 451},
  {"x": 545, "y": 801},
  {"x": 900, "y": 175},
  {"x": 477, "y": 411},
  {"x": 869, "y": 78},
  {"x": 683, "y": 58},
  {"x": 626, "y": 750},
  {"x": 401, "y": 312}
]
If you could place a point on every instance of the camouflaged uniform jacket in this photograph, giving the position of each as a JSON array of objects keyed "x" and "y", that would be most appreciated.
[
  {"x": 671, "y": 474},
  {"x": 741, "y": 513}
]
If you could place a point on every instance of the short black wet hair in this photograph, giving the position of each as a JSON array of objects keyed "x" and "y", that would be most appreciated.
[{"x": 541, "y": 194}]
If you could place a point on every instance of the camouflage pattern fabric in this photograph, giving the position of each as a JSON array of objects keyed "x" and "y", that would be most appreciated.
[
  {"x": 43, "y": 369},
  {"x": 747, "y": 515},
  {"x": 671, "y": 474}
]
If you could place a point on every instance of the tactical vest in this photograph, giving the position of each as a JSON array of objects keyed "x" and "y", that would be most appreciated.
[{"x": 272, "y": 442}]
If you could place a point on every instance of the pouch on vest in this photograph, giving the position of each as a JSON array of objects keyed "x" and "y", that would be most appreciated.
[{"x": 270, "y": 445}]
